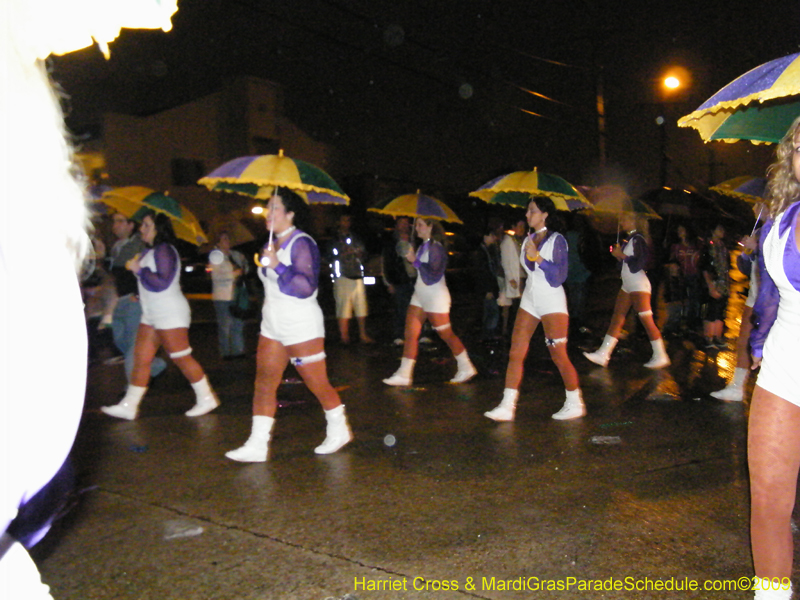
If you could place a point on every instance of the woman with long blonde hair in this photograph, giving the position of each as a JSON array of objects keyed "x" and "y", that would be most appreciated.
[{"x": 773, "y": 443}]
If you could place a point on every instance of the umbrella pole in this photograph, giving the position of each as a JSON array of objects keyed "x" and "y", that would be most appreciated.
[
  {"x": 271, "y": 226},
  {"x": 758, "y": 218}
]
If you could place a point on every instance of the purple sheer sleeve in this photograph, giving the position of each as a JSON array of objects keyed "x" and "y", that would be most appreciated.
[
  {"x": 637, "y": 261},
  {"x": 166, "y": 266},
  {"x": 433, "y": 270},
  {"x": 765, "y": 310},
  {"x": 745, "y": 263},
  {"x": 301, "y": 278},
  {"x": 555, "y": 270}
]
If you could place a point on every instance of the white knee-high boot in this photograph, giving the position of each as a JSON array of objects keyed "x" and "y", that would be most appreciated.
[
  {"x": 734, "y": 391},
  {"x": 257, "y": 445},
  {"x": 128, "y": 407},
  {"x": 660, "y": 358},
  {"x": 573, "y": 406},
  {"x": 404, "y": 374},
  {"x": 337, "y": 432},
  {"x": 206, "y": 398},
  {"x": 466, "y": 370},
  {"x": 507, "y": 407},
  {"x": 602, "y": 355}
]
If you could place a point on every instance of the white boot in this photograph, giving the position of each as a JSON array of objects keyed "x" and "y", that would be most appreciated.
[
  {"x": 734, "y": 391},
  {"x": 337, "y": 432},
  {"x": 602, "y": 355},
  {"x": 206, "y": 399},
  {"x": 404, "y": 374},
  {"x": 765, "y": 590},
  {"x": 573, "y": 406},
  {"x": 128, "y": 407},
  {"x": 660, "y": 358},
  {"x": 256, "y": 447},
  {"x": 507, "y": 407},
  {"x": 466, "y": 370}
]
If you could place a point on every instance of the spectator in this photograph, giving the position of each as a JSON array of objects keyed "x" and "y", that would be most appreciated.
[
  {"x": 513, "y": 275},
  {"x": 714, "y": 265},
  {"x": 347, "y": 255},
  {"x": 227, "y": 266},
  {"x": 399, "y": 274}
]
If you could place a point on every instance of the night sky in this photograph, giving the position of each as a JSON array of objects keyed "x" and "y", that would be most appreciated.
[{"x": 449, "y": 93}]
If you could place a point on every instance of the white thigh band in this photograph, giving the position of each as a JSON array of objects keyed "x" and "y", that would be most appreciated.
[
  {"x": 299, "y": 361},
  {"x": 646, "y": 313},
  {"x": 181, "y": 353},
  {"x": 554, "y": 342},
  {"x": 442, "y": 327}
]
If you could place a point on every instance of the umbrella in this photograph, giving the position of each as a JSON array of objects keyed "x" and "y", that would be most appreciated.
[
  {"x": 233, "y": 225},
  {"x": 750, "y": 189},
  {"x": 134, "y": 201},
  {"x": 620, "y": 205},
  {"x": 758, "y": 106},
  {"x": 258, "y": 176},
  {"x": 417, "y": 205},
  {"x": 518, "y": 187}
]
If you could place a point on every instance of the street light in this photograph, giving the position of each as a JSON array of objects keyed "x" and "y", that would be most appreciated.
[{"x": 673, "y": 81}]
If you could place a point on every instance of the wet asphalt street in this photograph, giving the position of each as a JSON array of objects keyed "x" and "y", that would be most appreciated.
[{"x": 645, "y": 497}]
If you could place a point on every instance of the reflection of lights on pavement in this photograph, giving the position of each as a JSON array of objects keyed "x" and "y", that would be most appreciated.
[{"x": 390, "y": 440}]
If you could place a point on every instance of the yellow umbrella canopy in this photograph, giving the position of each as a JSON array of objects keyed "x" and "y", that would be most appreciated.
[
  {"x": 417, "y": 205},
  {"x": 134, "y": 201}
]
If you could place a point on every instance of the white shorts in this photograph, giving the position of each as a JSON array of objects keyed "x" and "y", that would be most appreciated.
[
  {"x": 636, "y": 282},
  {"x": 350, "y": 296},
  {"x": 538, "y": 305},
  {"x": 432, "y": 298},
  {"x": 779, "y": 373},
  {"x": 295, "y": 323},
  {"x": 173, "y": 313}
]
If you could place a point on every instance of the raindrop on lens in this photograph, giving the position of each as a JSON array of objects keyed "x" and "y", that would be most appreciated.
[
  {"x": 465, "y": 91},
  {"x": 389, "y": 440},
  {"x": 394, "y": 35}
]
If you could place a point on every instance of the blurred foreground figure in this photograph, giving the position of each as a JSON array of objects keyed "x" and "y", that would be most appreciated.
[{"x": 42, "y": 329}]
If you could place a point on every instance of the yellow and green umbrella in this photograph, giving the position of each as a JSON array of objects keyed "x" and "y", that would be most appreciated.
[
  {"x": 258, "y": 176},
  {"x": 417, "y": 205},
  {"x": 758, "y": 106},
  {"x": 517, "y": 188},
  {"x": 134, "y": 201}
]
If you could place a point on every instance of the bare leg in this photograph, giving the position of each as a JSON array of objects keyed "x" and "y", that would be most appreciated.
[
  {"x": 743, "y": 341},
  {"x": 177, "y": 340},
  {"x": 441, "y": 323},
  {"x": 415, "y": 319},
  {"x": 315, "y": 374},
  {"x": 344, "y": 330},
  {"x": 773, "y": 448},
  {"x": 362, "y": 330},
  {"x": 271, "y": 361},
  {"x": 621, "y": 307},
  {"x": 524, "y": 328},
  {"x": 147, "y": 344},
  {"x": 641, "y": 304},
  {"x": 556, "y": 327}
]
